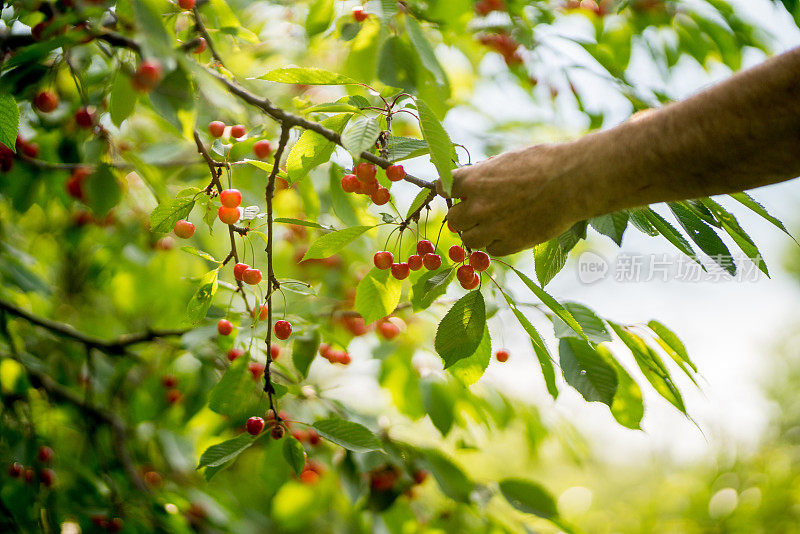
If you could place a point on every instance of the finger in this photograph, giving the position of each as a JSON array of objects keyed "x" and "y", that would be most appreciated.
[
  {"x": 477, "y": 237},
  {"x": 462, "y": 182},
  {"x": 462, "y": 216},
  {"x": 501, "y": 248}
]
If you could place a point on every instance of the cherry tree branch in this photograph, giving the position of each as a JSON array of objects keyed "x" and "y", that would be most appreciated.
[{"x": 115, "y": 347}]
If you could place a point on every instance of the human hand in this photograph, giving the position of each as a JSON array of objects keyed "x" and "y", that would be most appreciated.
[{"x": 516, "y": 200}]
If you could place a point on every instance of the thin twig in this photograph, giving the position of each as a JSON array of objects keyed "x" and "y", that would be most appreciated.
[
  {"x": 271, "y": 279},
  {"x": 201, "y": 29}
]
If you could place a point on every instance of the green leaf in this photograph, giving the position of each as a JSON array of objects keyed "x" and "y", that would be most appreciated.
[
  {"x": 166, "y": 214},
  {"x": 388, "y": 8},
  {"x": 294, "y": 454},
  {"x": 306, "y": 76},
  {"x": 439, "y": 404},
  {"x": 226, "y": 451},
  {"x": 737, "y": 233},
  {"x": 352, "y": 436},
  {"x": 758, "y": 208},
  {"x": 304, "y": 350},
  {"x": 360, "y": 136},
  {"x": 147, "y": 14},
  {"x": 320, "y": 16},
  {"x": 651, "y": 366},
  {"x": 704, "y": 236},
  {"x": 672, "y": 345},
  {"x": 443, "y": 155},
  {"x": 425, "y": 51},
  {"x": 102, "y": 190},
  {"x": 201, "y": 300},
  {"x": 587, "y": 370},
  {"x": 470, "y": 369},
  {"x": 9, "y": 120},
  {"x": 419, "y": 200},
  {"x": 377, "y": 295},
  {"x": 232, "y": 391},
  {"x": 401, "y": 148},
  {"x": 549, "y": 259},
  {"x": 461, "y": 329},
  {"x": 612, "y": 225},
  {"x": 672, "y": 235},
  {"x": 640, "y": 222},
  {"x": 299, "y": 222},
  {"x": 628, "y": 405},
  {"x": 591, "y": 324},
  {"x": 122, "y": 100},
  {"x": 331, "y": 243},
  {"x": 312, "y": 150},
  {"x": 430, "y": 286},
  {"x": 560, "y": 311},
  {"x": 529, "y": 497},
  {"x": 451, "y": 478}
]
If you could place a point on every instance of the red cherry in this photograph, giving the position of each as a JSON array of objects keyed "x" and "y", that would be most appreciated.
[
  {"x": 400, "y": 270},
  {"x": 153, "y": 478},
  {"x": 256, "y": 369},
  {"x": 147, "y": 76},
  {"x": 216, "y": 128},
  {"x": 350, "y": 183},
  {"x": 300, "y": 435},
  {"x": 313, "y": 437},
  {"x": 388, "y": 330},
  {"x": 283, "y": 329},
  {"x": 251, "y": 276},
  {"x": 228, "y": 215},
  {"x": 46, "y": 101},
  {"x": 201, "y": 47},
  {"x": 309, "y": 477},
  {"x": 274, "y": 351},
  {"x": 456, "y": 254},
  {"x": 465, "y": 273},
  {"x": 173, "y": 396},
  {"x": 324, "y": 350},
  {"x": 355, "y": 325},
  {"x": 254, "y": 426},
  {"x": 471, "y": 284},
  {"x": 238, "y": 131},
  {"x": 262, "y": 149},
  {"x": 277, "y": 431},
  {"x": 45, "y": 454},
  {"x": 224, "y": 327},
  {"x": 395, "y": 173},
  {"x": 75, "y": 183},
  {"x": 115, "y": 525},
  {"x": 383, "y": 259},
  {"x": 169, "y": 381},
  {"x": 415, "y": 262},
  {"x": 186, "y": 4},
  {"x": 370, "y": 188},
  {"x": 184, "y": 229},
  {"x": 501, "y": 355},
  {"x": 341, "y": 356},
  {"x": 479, "y": 260},
  {"x": 425, "y": 247},
  {"x": 238, "y": 269},
  {"x": 432, "y": 261},
  {"x": 48, "y": 477},
  {"x": 359, "y": 15},
  {"x": 366, "y": 172},
  {"x": 263, "y": 313},
  {"x": 29, "y": 475},
  {"x": 235, "y": 353},
  {"x": 381, "y": 196},
  {"x": 230, "y": 198},
  {"x": 15, "y": 470},
  {"x": 84, "y": 118},
  {"x": 419, "y": 476}
]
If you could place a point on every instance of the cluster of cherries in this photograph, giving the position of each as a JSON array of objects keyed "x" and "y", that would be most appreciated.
[
  {"x": 110, "y": 524},
  {"x": 282, "y": 328},
  {"x": 277, "y": 429},
  {"x": 262, "y": 148},
  {"x": 426, "y": 257},
  {"x": 334, "y": 355},
  {"x": 364, "y": 181},
  {"x": 173, "y": 394},
  {"x": 46, "y": 475},
  {"x": 503, "y": 44}
]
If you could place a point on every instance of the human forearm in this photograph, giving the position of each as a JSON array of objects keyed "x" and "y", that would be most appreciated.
[{"x": 740, "y": 134}]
